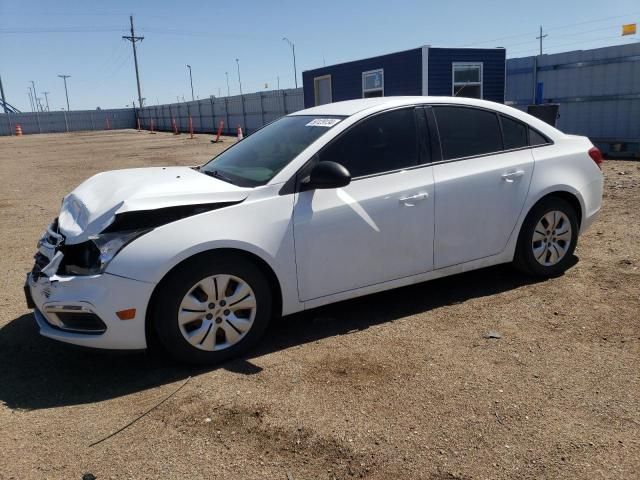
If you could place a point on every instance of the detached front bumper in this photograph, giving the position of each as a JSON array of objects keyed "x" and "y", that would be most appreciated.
[{"x": 82, "y": 309}]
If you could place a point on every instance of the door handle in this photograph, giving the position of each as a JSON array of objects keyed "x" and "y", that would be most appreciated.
[
  {"x": 511, "y": 176},
  {"x": 411, "y": 200}
]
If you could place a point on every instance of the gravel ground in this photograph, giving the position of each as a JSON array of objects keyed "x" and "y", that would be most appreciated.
[{"x": 401, "y": 384}]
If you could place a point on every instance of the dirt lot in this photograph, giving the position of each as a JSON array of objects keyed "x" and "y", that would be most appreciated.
[{"x": 396, "y": 385}]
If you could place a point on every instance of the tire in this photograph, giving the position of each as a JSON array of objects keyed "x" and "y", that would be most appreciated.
[
  {"x": 211, "y": 330},
  {"x": 532, "y": 256}
]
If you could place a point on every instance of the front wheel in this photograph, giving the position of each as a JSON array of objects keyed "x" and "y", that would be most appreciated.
[
  {"x": 212, "y": 308},
  {"x": 548, "y": 238}
]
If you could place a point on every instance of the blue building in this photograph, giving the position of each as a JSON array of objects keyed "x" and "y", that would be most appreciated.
[{"x": 466, "y": 72}]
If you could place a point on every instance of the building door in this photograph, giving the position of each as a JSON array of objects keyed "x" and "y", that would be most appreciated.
[{"x": 322, "y": 89}]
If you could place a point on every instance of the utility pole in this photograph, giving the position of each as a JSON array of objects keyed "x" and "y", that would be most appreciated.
[
  {"x": 228, "y": 90},
  {"x": 66, "y": 93},
  {"x": 133, "y": 39},
  {"x": 239, "y": 81},
  {"x": 46, "y": 97},
  {"x": 191, "y": 80},
  {"x": 4, "y": 100},
  {"x": 541, "y": 37},
  {"x": 293, "y": 50}
]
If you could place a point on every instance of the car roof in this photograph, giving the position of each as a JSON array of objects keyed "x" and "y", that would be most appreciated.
[{"x": 371, "y": 105}]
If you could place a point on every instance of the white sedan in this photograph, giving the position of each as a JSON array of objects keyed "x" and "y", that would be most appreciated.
[{"x": 323, "y": 205}]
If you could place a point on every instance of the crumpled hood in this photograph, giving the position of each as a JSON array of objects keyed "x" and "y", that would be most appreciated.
[{"x": 92, "y": 206}]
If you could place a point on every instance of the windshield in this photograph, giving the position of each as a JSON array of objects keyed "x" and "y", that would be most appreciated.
[{"x": 259, "y": 157}]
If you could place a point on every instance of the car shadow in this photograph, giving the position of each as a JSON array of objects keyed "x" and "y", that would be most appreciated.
[{"x": 39, "y": 373}]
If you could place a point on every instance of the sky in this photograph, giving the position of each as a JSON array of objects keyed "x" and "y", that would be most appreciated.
[{"x": 42, "y": 39}]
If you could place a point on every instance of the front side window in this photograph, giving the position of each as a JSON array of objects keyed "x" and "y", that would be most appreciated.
[
  {"x": 378, "y": 144},
  {"x": 373, "y": 83},
  {"x": 514, "y": 133},
  {"x": 467, "y": 80},
  {"x": 466, "y": 132},
  {"x": 259, "y": 157}
]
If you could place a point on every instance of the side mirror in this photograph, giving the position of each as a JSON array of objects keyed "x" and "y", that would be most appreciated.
[{"x": 327, "y": 175}]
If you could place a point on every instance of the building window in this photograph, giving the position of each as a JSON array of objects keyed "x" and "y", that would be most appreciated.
[
  {"x": 373, "y": 83},
  {"x": 322, "y": 89},
  {"x": 467, "y": 80}
]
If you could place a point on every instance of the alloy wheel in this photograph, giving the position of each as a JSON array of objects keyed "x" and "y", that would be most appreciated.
[
  {"x": 217, "y": 312},
  {"x": 551, "y": 238}
]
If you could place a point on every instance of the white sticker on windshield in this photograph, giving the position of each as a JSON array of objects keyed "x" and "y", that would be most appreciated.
[{"x": 323, "y": 122}]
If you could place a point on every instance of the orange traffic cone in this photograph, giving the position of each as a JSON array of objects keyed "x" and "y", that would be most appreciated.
[
  {"x": 18, "y": 130},
  {"x": 240, "y": 136}
]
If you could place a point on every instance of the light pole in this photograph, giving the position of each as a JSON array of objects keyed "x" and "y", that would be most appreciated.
[
  {"x": 31, "y": 100},
  {"x": 293, "y": 51},
  {"x": 34, "y": 93},
  {"x": 191, "y": 80},
  {"x": 239, "y": 81},
  {"x": 64, "y": 77},
  {"x": 228, "y": 90},
  {"x": 46, "y": 97}
]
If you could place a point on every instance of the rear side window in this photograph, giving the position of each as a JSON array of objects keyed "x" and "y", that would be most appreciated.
[
  {"x": 536, "y": 139},
  {"x": 514, "y": 133},
  {"x": 465, "y": 132},
  {"x": 381, "y": 143}
]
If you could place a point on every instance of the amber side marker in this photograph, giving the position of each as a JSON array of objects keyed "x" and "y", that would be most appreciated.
[{"x": 128, "y": 314}]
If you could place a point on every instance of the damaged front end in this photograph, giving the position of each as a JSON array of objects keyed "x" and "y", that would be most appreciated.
[
  {"x": 91, "y": 257},
  {"x": 57, "y": 256}
]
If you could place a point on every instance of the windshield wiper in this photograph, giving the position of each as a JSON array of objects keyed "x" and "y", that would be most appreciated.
[{"x": 218, "y": 174}]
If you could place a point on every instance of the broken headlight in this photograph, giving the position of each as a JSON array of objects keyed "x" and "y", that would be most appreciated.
[
  {"x": 109, "y": 244},
  {"x": 93, "y": 256}
]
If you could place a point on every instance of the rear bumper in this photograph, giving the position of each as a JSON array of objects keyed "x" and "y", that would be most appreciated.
[
  {"x": 101, "y": 295},
  {"x": 592, "y": 196}
]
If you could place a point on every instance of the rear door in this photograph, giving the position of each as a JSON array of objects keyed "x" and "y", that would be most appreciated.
[{"x": 481, "y": 184}]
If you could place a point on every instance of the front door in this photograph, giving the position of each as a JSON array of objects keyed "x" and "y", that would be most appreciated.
[{"x": 377, "y": 228}]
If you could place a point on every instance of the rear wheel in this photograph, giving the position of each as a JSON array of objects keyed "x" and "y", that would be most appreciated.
[
  {"x": 212, "y": 308},
  {"x": 548, "y": 238}
]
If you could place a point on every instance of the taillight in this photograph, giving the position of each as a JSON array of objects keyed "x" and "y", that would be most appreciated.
[{"x": 596, "y": 156}]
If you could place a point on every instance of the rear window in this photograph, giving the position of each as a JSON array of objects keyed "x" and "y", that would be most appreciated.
[{"x": 466, "y": 132}]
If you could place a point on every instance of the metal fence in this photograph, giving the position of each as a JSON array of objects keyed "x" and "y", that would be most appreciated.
[
  {"x": 250, "y": 111},
  {"x": 73, "y": 121},
  {"x": 598, "y": 92}
]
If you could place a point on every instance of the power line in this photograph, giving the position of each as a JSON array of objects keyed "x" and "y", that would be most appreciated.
[
  {"x": 11, "y": 31},
  {"x": 552, "y": 47},
  {"x": 552, "y": 29}
]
